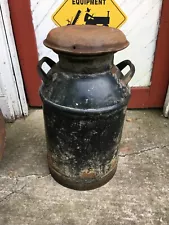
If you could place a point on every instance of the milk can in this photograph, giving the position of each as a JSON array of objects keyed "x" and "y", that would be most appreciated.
[{"x": 85, "y": 98}]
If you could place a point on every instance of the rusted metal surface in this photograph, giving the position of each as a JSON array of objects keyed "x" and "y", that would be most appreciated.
[
  {"x": 81, "y": 186},
  {"x": 86, "y": 39},
  {"x": 84, "y": 181},
  {"x": 2, "y": 135},
  {"x": 88, "y": 173},
  {"x": 82, "y": 151},
  {"x": 85, "y": 99}
]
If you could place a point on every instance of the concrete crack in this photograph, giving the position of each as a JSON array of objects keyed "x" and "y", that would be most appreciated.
[
  {"x": 29, "y": 175},
  {"x": 13, "y": 192},
  {"x": 17, "y": 179},
  {"x": 33, "y": 175},
  {"x": 144, "y": 150}
]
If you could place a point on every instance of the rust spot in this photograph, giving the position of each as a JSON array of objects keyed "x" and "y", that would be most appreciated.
[
  {"x": 125, "y": 149},
  {"x": 89, "y": 173}
]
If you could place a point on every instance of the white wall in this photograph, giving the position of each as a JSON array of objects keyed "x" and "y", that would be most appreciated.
[{"x": 141, "y": 30}]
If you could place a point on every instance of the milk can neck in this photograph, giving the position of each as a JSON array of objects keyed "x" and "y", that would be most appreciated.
[{"x": 85, "y": 64}]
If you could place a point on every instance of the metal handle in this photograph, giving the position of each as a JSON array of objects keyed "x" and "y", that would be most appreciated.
[
  {"x": 41, "y": 72},
  {"x": 126, "y": 78}
]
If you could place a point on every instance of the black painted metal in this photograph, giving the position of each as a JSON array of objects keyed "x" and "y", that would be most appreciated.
[{"x": 84, "y": 102}]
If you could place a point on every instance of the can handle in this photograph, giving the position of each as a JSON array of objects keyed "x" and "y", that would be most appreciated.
[
  {"x": 126, "y": 78},
  {"x": 45, "y": 77}
]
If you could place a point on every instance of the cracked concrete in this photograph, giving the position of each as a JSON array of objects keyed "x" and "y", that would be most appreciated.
[
  {"x": 143, "y": 150},
  {"x": 138, "y": 193}
]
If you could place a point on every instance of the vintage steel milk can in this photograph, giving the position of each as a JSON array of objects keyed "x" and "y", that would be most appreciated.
[{"x": 85, "y": 98}]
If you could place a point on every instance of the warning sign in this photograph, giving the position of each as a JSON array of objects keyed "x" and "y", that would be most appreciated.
[{"x": 94, "y": 12}]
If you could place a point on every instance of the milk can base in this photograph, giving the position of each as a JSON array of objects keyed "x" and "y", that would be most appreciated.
[{"x": 79, "y": 185}]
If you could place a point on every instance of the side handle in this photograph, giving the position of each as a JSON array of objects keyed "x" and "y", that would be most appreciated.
[
  {"x": 126, "y": 78},
  {"x": 44, "y": 76}
]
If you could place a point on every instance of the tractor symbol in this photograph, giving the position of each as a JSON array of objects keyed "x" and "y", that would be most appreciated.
[
  {"x": 75, "y": 19},
  {"x": 94, "y": 20},
  {"x": 90, "y": 19}
]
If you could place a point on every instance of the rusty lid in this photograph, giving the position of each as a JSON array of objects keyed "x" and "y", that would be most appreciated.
[{"x": 86, "y": 39}]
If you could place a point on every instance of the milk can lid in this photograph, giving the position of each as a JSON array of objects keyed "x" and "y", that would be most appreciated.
[{"x": 86, "y": 39}]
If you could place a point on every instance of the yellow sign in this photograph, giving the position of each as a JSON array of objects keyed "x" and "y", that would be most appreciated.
[{"x": 95, "y": 12}]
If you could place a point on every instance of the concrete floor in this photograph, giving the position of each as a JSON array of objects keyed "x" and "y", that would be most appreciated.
[{"x": 138, "y": 193}]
